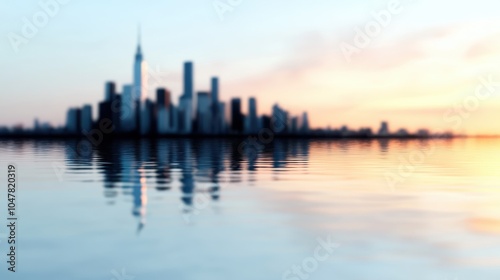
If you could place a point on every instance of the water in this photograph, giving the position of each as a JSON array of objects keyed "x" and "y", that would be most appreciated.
[{"x": 220, "y": 209}]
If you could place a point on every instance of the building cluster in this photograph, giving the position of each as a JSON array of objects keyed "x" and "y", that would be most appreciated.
[
  {"x": 200, "y": 113},
  {"x": 132, "y": 112}
]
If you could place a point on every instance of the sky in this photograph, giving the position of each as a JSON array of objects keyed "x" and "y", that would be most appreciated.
[{"x": 428, "y": 65}]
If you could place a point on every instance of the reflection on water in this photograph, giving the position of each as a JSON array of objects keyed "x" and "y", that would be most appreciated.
[
  {"x": 132, "y": 165},
  {"x": 212, "y": 209}
]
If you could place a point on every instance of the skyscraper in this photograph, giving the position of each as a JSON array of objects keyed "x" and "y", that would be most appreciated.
[
  {"x": 215, "y": 107},
  {"x": 279, "y": 119},
  {"x": 163, "y": 104},
  {"x": 163, "y": 98},
  {"x": 141, "y": 90},
  {"x": 140, "y": 74},
  {"x": 222, "y": 118},
  {"x": 203, "y": 112},
  {"x": 163, "y": 125},
  {"x": 294, "y": 125},
  {"x": 73, "y": 121},
  {"x": 128, "y": 110},
  {"x": 236, "y": 116},
  {"x": 86, "y": 119},
  {"x": 185, "y": 114},
  {"x": 305, "y": 123},
  {"x": 109, "y": 91},
  {"x": 253, "y": 121},
  {"x": 188, "y": 79},
  {"x": 147, "y": 116},
  {"x": 215, "y": 90}
]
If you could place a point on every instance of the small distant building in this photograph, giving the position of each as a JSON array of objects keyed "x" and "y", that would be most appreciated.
[
  {"x": 294, "y": 125},
  {"x": 305, "y": 123},
  {"x": 384, "y": 129},
  {"x": 402, "y": 132},
  {"x": 423, "y": 133}
]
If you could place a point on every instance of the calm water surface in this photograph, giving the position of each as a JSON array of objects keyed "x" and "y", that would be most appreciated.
[{"x": 219, "y": 209}]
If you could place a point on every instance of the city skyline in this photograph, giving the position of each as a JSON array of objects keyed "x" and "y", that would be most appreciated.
[
  {"x": 133, "y": 112},
  {"x": 408, "y": 76}
]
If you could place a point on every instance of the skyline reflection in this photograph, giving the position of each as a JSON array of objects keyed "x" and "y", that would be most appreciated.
[{"x": 195, "y": 167}]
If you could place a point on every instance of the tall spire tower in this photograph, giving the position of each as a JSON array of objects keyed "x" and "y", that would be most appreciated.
[{"x": 140, "y": 72}]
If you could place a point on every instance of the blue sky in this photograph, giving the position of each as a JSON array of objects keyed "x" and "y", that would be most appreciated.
[{"x": 87, "y": 43}]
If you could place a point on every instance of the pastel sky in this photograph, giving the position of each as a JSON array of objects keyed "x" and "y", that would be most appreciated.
[{"x": 427, "y": 61}]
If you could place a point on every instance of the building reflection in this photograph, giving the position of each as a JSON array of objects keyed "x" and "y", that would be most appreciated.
[{"x": 192, "y": 169}]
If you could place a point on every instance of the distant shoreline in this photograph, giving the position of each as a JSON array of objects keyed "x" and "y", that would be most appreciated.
[{"x": 240, "y": 136}]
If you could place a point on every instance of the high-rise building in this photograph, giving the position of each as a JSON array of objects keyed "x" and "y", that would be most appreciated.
[
  {"x": 36, "y": 125},
  {"x": 215, "y": 90},
  {"x": 237, "y": 121},
  {"x": 105, "y": 111},
  {"x": 174, "y": 119},
  {"x": 253, "y": 121},
  {"x": 188, "y": 79},
  {"x": 305, "y": 123},
  {"x": 128, "y": 110},
  {"x": 216, "y": 127},
  {"x": 189, "y": 89},
  {"x": 294, "y": 125},
  {"x": 116, "y": 114},
  {"x": 163, "y": 124},
  {"x": 109, "y": 91},
  {"x": 140, "y": 90},
  {"x": 163, "y": 98},
  {"x": 185, "y": 115},
  {"x": 147, "y": 116},
  {"x": 203, "y": 116},
  {"x": 279, "y": 120},
  {"x": 73, "y": 121},
  {"x": 265, "y": 122},
  {"x": 140, "y": 74},
  {"x": 86, "y": 119},
  {"x": 222, "y": 118}
]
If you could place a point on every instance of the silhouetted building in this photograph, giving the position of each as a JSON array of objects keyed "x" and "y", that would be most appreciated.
[
  {"x": 163, "y": 98},
  {"x": 203, "y": 114},
  {"x": 294, "y": 125},
  {"x": 236, "y": 116},
  {"x": 109, "y": 91},
  {"x": 265, "y": 122},
  {"x": 73, "y": 118},
  {"x": 384, "y": 129},
  {"x": 140, "y": 89},
  {"x": 222, "y": 118},
  {"x": 216, "y": 114},
  {"x": 128, "y": 110},
  {"x": 185, "y": 115},
  {"x": 188, "y": 79},
  {"x": 86, "y": 119},
  {"x": 305, "y": 123},
  {"x": 279, "y": 120},
  {"x": 253, "y": 121},
  {"x": 147, "y": 117}
]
